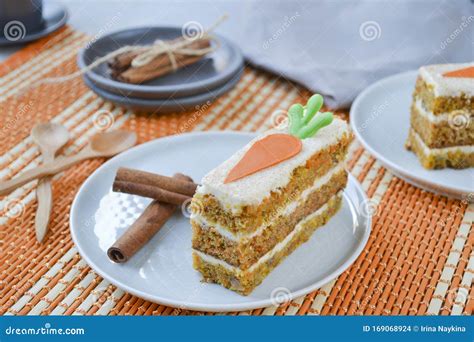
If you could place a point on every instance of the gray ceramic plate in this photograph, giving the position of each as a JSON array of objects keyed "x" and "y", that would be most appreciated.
[
  {"x": 55, "y": 16},
  {"x": 380, "y": 118},
  {"x": 162, "y": 271},
  {"x": 211, "y": 72},
  {"x": 170, "y": 104}
]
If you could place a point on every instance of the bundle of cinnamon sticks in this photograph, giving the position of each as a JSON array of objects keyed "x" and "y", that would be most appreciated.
[
  {"x": 167, "y": 193},
  {"x": 121, "y": 67}
]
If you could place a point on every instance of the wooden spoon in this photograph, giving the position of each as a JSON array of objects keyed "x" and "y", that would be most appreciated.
[
  {"x": 49, "y": 137},
  {"x": 104, "y": 144}
]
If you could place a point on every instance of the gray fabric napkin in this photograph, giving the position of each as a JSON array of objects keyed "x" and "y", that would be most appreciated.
[{"x": 338, "y": 48}]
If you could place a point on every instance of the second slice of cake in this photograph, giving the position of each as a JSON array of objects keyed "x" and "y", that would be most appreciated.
[
  {"x": 244, "y": 228},
  {"x": 442, "y": 116}
]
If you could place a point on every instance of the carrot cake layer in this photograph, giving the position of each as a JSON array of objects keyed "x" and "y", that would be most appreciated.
[
  {"x": 215, "y": 270},
  {"x": 442, "y": 113},
  {"x": 244, "y": 205},
  {"x": 443, "y": 130},
  {"x": 244, "y": 249},
  {"x": 457, "y": 157}
]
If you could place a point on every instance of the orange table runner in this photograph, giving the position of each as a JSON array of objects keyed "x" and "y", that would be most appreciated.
[{"x": 418, "y": 259}]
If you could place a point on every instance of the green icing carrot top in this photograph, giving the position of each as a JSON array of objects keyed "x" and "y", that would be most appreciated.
[{"x": 306, "y": 121}]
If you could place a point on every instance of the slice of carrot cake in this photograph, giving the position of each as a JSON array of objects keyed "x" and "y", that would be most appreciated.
[
  {"x": 257, "y": 207},
  {"x": 442, "y": 116}
]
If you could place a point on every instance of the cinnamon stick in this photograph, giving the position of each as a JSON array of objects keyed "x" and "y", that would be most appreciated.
[
  {"x": 123, "y": 61},
  {"x": 150, "y": 191},
  {"x": 172, "y": 184},
  {"x": 144, "y": 228},
  {"x": 138, "y": 75},
  {"x": 161, "y": 65}
]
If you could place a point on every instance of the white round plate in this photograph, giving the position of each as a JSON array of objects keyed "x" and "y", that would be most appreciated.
[
  {"x": 162, "y": 271},
  {"x": 380, "y": 119}
]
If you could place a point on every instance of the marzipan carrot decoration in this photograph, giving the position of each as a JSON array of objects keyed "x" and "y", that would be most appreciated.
[
  {"x": 463, "y": 73},
  {"x": 273, "y": 149},
  {"x": 266, "y": 152}
]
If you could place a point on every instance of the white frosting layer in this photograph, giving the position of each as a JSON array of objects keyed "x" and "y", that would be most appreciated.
[
  {"x": 439, "y": 151},
  {"x": 439, "y": 118},
  {"x": 253, "y": 189},
  {"x": 447, "y": 86},
  {"x": 278, "y": 247},
  {"x": 287, "y": 210}
]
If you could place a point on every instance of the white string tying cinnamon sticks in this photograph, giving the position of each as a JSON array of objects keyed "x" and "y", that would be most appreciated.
[
  {"x": 160, "y": 47},
  {"x": 146, "y": 53}
]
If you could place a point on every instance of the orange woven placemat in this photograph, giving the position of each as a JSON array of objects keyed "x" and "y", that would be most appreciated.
[{"x": 418, "y": 260}]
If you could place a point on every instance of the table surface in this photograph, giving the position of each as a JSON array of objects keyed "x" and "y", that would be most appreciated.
[{"x": 418, "y": 259}]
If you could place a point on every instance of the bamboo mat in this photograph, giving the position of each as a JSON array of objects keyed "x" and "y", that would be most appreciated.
[{"x": 418, "y": 260}]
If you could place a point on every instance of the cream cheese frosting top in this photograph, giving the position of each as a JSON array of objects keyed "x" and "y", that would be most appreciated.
[
  {"x": 447, "y": 86},
  {"x": 253, "y": 189}
]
